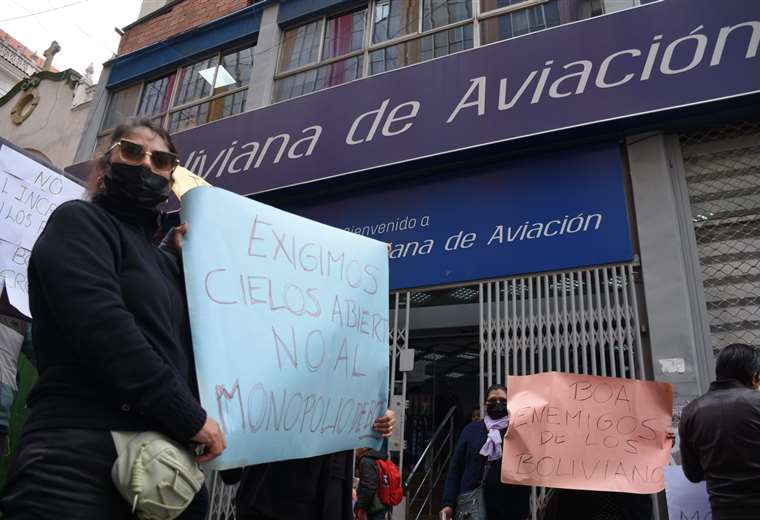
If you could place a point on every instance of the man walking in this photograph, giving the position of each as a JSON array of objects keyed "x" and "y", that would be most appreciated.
[{"x": 720, "y": 436}]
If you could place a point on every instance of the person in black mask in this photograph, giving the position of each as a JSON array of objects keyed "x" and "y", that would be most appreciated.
[
  {"x": 477, "y": 459},
  {"x": 112, "y": 339}
]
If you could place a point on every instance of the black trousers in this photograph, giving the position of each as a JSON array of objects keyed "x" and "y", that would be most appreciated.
[{"x": 66, "y": 473}]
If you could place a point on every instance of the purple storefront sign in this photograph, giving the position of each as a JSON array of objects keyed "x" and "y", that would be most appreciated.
[{"x": 657, "y": 57}]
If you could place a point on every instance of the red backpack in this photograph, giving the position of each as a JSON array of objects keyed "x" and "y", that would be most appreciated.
[{"x": 389, "y": 489}]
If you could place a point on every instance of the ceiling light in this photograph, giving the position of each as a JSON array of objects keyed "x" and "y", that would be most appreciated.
[
  {"x": 421, "y": 298},
  {"x": 464, "y": 293}
]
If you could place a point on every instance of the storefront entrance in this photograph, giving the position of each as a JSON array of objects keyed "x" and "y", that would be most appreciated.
[{"x": 466, "y": 338}]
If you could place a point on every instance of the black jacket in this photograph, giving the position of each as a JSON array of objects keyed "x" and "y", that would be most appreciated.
[
  {"x": 366, "y": 493},
  {"x": 317, "y": 488},
  {"x": 503, "y": 501},
  {"x": 720, "y": 443},
  {"x": 110, "y": 327}
]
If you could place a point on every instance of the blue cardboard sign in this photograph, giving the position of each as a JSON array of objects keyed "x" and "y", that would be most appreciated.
[
  {"x": 542, "y": 213},
  {"x": 686, "y": 500},
  {"x": 289, "y": 320}
]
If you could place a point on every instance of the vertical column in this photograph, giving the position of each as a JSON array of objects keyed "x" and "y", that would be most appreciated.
[
  {"x": 94, "y": 118},
  {"x": 676, "y": 329},
  {"x": 265, "y": 55}
]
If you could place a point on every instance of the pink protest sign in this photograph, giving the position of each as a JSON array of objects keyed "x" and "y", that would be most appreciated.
[{"x": 576, "y": 431}]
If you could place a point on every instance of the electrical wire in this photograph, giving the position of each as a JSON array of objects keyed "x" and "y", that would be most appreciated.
[{"x": 43, "y": 12}]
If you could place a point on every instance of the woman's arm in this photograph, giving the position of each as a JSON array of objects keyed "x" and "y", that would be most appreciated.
[
  {"x": 454, "y": 478},
  {"x": 367, "y": 489},
  {"x": 74, "y": 265}
]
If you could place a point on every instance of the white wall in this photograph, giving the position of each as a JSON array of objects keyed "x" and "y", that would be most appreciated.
[{"x": 53, "y": 128}]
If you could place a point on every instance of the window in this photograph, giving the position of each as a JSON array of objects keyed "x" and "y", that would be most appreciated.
[
  {"x": 438, "y": 13},
  {"x": 394, "y": 18},
  {"x": 300, "y": 46},
  {"x": 220, "y": 83},
  {"x": 334, "y": 50},
  {"x": 199, "y": 92},
  {"x": 319, "y": 78},
  {"x": 523, "y": 21},
  {"x": 491, "y": 5},
  {"x": 590, "y": 8},
  {"x": 121, "y": 106},
  {"x": 156, "y": 97},
  {"x": 307, "y": 45},
  {"x": 344, "y": 34},
  {"x": 421, "y": 49}
]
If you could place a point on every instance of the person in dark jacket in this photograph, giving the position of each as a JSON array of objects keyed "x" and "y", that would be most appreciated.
[
  {"x": 720, "y": 435},
  {"x": 480, "y": 443},
  {"x": 112, "y": 339},
  {"x": 317, "y": 488},
  {"x": 368, "y": 505}
]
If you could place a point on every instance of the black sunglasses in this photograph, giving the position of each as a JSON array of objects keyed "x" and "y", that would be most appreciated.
[{"x": 162, "y": 162}]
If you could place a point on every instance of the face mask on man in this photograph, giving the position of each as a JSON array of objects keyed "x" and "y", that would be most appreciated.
[
  {"x": 496, "y": 409},
  {"x": 136, "y": 184}
]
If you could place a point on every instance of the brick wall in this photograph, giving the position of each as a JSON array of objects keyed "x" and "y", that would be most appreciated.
[{"x": 182, "y": 16}]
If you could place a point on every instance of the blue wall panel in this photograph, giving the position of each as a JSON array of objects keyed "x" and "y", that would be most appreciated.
[
  {"x": 177, "y": 49},
  {"x": 293, "y": 11}
]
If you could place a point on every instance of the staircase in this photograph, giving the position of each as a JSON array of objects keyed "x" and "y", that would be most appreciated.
[{"x": 424, "y": 484}]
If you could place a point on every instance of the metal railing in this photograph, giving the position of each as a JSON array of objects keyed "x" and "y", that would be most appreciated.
[
  {"x": 420, "y": 487},
  {"x": 221, "y": 498}
]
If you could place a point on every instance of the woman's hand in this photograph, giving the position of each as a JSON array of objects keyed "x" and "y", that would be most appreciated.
[
  {"x": 448, "y": 512},
  {"x": 212, "y": 437},
  {"x": 384, "y": 425}
]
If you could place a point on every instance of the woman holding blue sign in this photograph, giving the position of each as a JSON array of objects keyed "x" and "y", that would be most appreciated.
[
  {"x": 112, "y": 339},
  {"x": 473, "y": 485}
]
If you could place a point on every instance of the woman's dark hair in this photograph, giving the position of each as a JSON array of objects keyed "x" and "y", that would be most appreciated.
[
  {"x": 495, "y": 388},
  {"x": 101, "y": 162},
  {"x": 738, "y": 361}
]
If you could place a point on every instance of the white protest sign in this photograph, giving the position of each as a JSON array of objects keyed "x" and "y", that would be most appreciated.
[
  {"x": 290, "y": 328},
  {"x": 686, "y": 500},
  {"x": 14, "y": 261},
  {"x": 29, "y": 193}
]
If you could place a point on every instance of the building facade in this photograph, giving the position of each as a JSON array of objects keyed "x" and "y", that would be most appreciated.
[
  {"x": 565, "y": 184},
  {"x": 45, "y": 114},
  {"x": 16, "y": 62}
]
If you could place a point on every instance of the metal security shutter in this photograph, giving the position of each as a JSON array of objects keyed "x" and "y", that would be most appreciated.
[
  {"x": 221, "y": 497},
  {"x": 584, "y": 321},
  {"x": 723, "y": 177}
]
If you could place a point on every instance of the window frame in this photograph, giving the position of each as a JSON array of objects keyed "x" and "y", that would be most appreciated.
[
  {"x": 177, "y": 71},
  {"x": 368, "y": 47},
  {"x": 510, "y": 9}
]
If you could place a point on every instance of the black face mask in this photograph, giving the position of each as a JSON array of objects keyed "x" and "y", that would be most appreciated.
[
  {"x": 496, "y": 410},
  {"x": 135, "y": 185}
]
